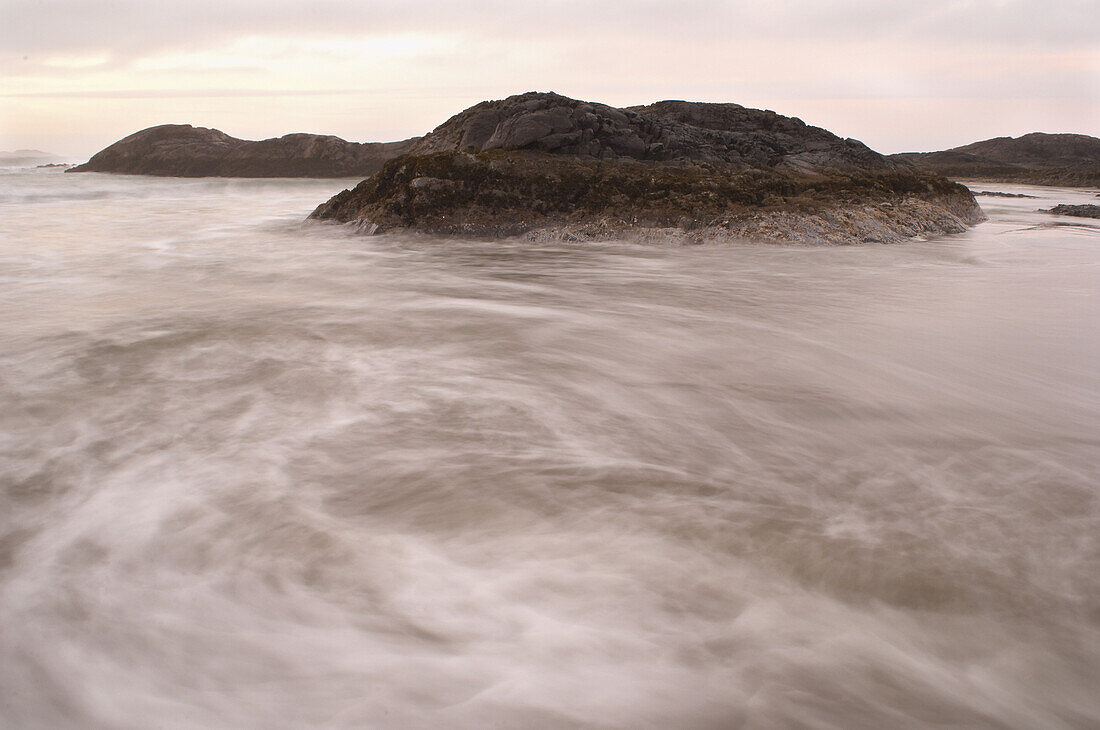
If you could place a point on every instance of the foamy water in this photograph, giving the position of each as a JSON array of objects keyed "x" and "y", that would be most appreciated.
[{"x": 258, "y": 473}]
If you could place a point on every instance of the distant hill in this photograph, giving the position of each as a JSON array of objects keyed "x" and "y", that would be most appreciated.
[
  {"x": 180, "y": 150},
  {"x": 1036, "y": 158},
  {"x": 28, "y": 158}
]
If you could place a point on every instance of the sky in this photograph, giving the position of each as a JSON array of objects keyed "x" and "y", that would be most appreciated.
[{"x": 76, "y": 75}]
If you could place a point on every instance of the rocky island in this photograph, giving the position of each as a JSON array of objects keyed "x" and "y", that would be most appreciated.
[
  {"x": 545, "y": 166},
  {"x": 180, "y": 150},
  {"x": 1070, "y": 160}
]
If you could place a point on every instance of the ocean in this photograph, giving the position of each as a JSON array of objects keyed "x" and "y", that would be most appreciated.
[{"x": 257, "y": 472}]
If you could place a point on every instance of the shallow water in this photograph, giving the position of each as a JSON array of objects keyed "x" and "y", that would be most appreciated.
[{"x": 263, "y": 473}]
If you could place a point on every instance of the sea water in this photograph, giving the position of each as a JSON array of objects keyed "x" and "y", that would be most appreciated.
[{"x": 262, "y": 473}]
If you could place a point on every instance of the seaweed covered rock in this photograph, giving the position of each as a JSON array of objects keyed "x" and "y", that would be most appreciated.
[{"x": 500, "y": 194}]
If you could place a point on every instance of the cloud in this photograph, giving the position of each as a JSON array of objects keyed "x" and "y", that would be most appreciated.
[
  {"x": 252, "y": 63},
  {"x": 133, "y": 28}
]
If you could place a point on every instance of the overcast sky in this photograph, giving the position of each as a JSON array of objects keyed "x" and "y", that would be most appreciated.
[{"x": 76, "y": 75}]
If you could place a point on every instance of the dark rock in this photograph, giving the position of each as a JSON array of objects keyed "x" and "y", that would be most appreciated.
[
  {"x": 1036, "y": 159},
  {"x": 181, "y": 150},
  {"x": 665, "y": 131},
  {"x": 1078, "y": 211},
  {"x": 995, "y": 194}
]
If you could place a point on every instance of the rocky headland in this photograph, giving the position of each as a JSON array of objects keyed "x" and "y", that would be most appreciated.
[
  {"x": 180, "y": 150},
  {"x": 545, "y": 166},
  {"x": 1070, "y": 160}
]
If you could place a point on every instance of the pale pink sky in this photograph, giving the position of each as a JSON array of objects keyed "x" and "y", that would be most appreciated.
[{"x": 76, "y": 75}]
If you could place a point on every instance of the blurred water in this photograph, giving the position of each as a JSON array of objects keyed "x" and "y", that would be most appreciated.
[{"x": 263, "y": 473}]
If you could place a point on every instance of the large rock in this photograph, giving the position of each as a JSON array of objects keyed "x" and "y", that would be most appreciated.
[
  {"x": 1036, "y": 159},
  {"x": 545, "y": 166},
  {"x": 181, "y": 150},
  {"x": 666, "y": 131}
]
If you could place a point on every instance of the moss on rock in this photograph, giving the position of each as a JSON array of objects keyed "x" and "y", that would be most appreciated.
[{"x": 507, "y": 193}]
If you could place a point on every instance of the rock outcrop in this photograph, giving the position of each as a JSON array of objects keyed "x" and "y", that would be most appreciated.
[
  {"x": 542, "y": 165},
  {"x": 1077, "y": 211},
  {"x": 180, "y": 150},
  {"x": 999, "y": 194},
  {"x": 1034, "y": 159},
  {"x": 667, "y": 131}
]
